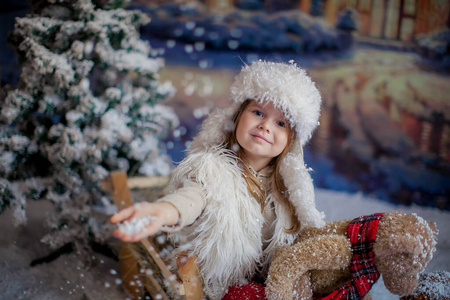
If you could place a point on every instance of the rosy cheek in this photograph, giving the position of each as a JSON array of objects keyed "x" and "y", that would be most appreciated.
[{"x": 285, "y": 140}]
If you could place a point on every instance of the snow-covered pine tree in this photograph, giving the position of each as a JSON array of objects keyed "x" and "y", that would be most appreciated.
[{"x": 87, "y": 103}]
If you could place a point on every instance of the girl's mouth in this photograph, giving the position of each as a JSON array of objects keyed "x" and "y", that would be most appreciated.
[{"x": 260, "y": 137}]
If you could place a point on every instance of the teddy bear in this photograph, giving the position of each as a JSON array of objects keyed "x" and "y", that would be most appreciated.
[{"x": 343, "y": 259}]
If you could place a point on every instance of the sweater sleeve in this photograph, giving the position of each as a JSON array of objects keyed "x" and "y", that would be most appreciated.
[{"x": 189, "y": 200}]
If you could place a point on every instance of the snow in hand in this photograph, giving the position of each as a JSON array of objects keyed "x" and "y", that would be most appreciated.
[{"x": 135, "y": 225}]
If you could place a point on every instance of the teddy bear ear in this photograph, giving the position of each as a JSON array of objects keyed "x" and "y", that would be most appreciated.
[
  {"x": 406, "y": 244},
  {"x": 433, "y": 228},
  {"x": 410, "y": 245}
]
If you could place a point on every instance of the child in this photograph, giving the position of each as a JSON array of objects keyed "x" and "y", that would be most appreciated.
[{"x": 243, "y": 189}]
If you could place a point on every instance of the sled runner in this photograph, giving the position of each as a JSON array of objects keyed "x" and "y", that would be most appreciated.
[{"x": 142, "y": 268}]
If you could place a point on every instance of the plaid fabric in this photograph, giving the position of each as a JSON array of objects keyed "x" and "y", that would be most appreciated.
[{"x": 362, "y": 233}]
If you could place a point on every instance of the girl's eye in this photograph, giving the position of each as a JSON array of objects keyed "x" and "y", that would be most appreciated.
[
  {"x": 257, "y": 113},
  {"x": 281, "y": 124}
]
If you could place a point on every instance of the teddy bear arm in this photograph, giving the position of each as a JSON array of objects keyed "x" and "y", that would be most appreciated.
[
  {"x": 331, "y": 227},
  {"x": 322, "y": 252},
  {"x": 280, "y": 251},
  {"x": 328, "y": 252},
  {"x": 325, "y": 281}
]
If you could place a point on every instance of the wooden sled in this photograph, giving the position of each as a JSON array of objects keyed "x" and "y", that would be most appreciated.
[{"x": 139, "y": 275}]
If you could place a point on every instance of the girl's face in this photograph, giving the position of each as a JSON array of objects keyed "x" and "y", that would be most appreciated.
[{"x": 262, "y": 133}]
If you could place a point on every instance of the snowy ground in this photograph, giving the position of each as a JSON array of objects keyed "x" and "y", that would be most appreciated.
[
  {"x": 97, "y": 278},
  {"x": 67, "y": 277}
]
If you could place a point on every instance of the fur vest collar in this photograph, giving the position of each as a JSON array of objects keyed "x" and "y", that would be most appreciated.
[{"x": 227, "y": 236}]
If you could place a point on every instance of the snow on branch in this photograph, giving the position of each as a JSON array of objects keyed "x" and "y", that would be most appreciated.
[{"x": 88, "y": 102}]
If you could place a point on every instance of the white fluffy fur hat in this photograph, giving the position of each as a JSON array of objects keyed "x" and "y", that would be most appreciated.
[{"x": 291, "y": 90}]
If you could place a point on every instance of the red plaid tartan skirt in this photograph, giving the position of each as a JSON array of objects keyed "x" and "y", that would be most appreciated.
[{"x": 362, "y": 233}]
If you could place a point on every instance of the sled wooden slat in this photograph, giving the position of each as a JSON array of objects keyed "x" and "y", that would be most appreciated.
[
  {"x": 155, "y": 289},
  {"x": 151, "y": 284},
  {"x": 136, "y": 182},
  {"x": 190, "y": 276},
  {"x": 186, "y": 283},
  {"x": 128, "y": 270},
  {"x": 121, "y": 194},
  {"x": 150, "y": 247}
]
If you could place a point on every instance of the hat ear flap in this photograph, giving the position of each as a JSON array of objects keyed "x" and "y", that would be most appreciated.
[
  {"x": 299, "y": 184},
  {"x": 215, "y": 128}
]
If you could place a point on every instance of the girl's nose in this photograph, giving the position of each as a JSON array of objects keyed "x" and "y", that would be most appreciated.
[{"x": 263, "y": 126}]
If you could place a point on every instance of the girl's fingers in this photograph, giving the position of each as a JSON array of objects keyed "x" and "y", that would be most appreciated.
[
  {"x": 149, "y": 230},
  {"x": 134, "y": 211},
  {"x": 119, "y": 234},
  {"x": 156, "y": 210},
  {"x": 123, "y": 214}
]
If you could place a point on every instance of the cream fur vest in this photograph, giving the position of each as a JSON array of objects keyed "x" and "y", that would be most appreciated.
[{"x": 227, "y": 235}]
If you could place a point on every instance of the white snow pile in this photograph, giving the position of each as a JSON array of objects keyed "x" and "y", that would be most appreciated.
[
  {"x": 436, "y": 284},
  {"x": 135, "y": 225}
]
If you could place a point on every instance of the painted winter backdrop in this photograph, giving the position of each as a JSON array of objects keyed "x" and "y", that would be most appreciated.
[{"x": 90, "y": 100}]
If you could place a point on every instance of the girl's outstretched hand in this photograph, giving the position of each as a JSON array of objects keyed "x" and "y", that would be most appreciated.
[{"x": 161, "y": 213}]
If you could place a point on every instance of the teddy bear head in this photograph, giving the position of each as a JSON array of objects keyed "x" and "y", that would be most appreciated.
[{"x": 404, "y": 245}]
